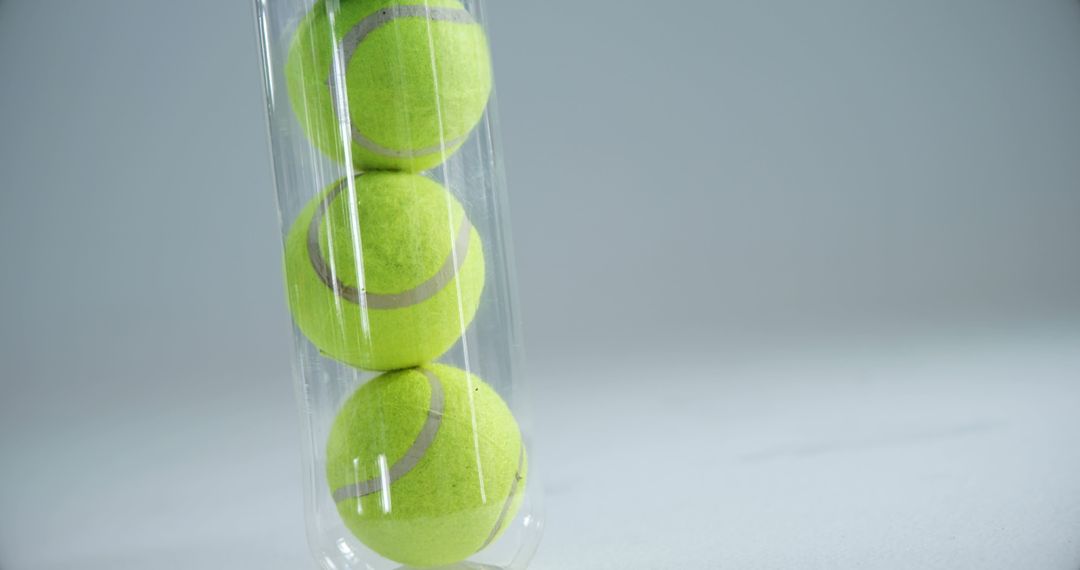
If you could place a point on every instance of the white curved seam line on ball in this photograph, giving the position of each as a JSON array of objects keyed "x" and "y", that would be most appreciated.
[
  {"x": 351, "y": 41},
  {"x": 499, "y": 522},
  {"x": 446, "y": 273},
  {"x": 412, "y": 456}
]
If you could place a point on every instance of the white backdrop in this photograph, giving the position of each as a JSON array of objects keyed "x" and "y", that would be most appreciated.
[{"x": 800, "y": 284}]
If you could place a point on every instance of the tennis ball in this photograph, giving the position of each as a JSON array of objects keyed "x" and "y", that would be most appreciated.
[
  {"x": 426, "y": 465},
  {"x": 404, "y": 81},
  {"x": 383, "y": 270}
]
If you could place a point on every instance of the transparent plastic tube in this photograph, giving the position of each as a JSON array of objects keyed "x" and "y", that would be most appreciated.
[{"x": 400, "y": 281}]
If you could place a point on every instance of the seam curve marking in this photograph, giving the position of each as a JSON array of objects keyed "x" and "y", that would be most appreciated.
[
  {"x": 499, "y": 522},
  {"x": 351, "y": 41},
  {"x": 446, "y": 273},
  {"x": 412, "y": 456}
]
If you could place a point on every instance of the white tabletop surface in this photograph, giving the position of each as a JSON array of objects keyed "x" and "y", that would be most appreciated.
[{"x": 957, "y": 453}]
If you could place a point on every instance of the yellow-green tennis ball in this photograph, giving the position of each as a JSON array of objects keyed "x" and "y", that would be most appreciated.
[
  {"x": 426, "y": 465},
  {"x": 409, "y": 81},
  {"x": 384, "y": 273}
]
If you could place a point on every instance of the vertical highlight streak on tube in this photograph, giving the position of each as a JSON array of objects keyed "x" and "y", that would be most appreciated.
[{"x": 384, "y": 482}]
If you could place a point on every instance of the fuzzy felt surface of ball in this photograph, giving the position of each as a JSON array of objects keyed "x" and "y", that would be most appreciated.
[
  {"x": 426, "y": 466},
  {"x": 403, "y": 82},
  {"x": 383, "y": 272}
]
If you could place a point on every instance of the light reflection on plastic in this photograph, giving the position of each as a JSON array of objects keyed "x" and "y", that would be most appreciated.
[
  {"x": 356, "y": 479},
  {"x": 347, "y": 551},
  {"x": 384, "y": 476}
]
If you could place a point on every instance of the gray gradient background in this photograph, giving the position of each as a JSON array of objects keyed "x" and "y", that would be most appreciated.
[{"x": 800, "y": 281}]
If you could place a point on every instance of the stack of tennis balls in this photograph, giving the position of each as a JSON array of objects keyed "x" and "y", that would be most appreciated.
[{"x": 385, "y": 271}]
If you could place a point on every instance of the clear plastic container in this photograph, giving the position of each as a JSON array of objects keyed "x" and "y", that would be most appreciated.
[{"x": 400, "y": 280}]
